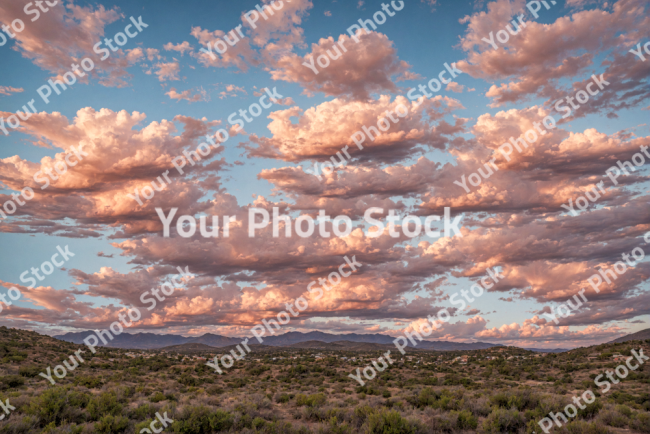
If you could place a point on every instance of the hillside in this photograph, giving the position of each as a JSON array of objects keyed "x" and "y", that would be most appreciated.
[
  {"x": 188, "y": 348},
  {"x": 347, "y": 346},
  {"x": 638, "y": 336}
]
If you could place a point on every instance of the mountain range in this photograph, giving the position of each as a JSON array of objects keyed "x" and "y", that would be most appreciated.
[
  {"x": 315, "y": 339},
  {"x": 150, "y": 341}
]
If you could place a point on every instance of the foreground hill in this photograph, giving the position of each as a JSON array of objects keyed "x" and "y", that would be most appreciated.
[
  {"x": 278, "y": 390},
  {"x": 642, "y": 335}
]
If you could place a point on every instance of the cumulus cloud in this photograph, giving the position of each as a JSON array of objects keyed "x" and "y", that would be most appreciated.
[
  {"x": 313, "y": 137},
  {"x": 94, "y": 192},
  {"x": 167, "y": 71},
  {"x": 181, "y": 48},
  {"x": 360, "y": 68},
  {"x": 533, "y": 62},
  {"x": 65, "y": 35}
]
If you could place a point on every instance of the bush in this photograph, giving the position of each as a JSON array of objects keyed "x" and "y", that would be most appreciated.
[
  {"x": 199, "y": 420},
  {"x": 466, "y": 420},
  {"x": 590, "y": 410},
  {"x": 500, "y": 421},
  {"x": 314, "y": 400},
  {"x": 188, "y": 380},
  {"x": 388, "y": 422},
  {"x": 157, "y": 397},
  {"x": 54, "y": 405},
  {"x": 425, "y": 398},
  {"x": 88, "y": 381},
  {"x": 12, "y": 381},
  {"x": 142, "y": 412},
  {"x": 111, "y": 424},
  {"x": 214, "y": 390},
  {"x": 104, "y": 404},
  {"x": 581, "y": 427},
  {"x": 29, "y": 371},
  {"x": 258, "y": 423},
  {"x": 641, "y": 422}
]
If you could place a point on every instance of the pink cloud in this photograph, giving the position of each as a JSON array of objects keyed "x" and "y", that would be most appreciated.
[
  {"x": 8, "y": 90},
  {"x": 362, "y": 68},
  {"x": 181, "y": 48},
  {"x": 167, "y": 71},
  {"x": 186, "y": 95}
]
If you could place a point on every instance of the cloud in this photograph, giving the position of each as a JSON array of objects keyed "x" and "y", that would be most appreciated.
[
  {"x": 8, "y": 90},
  {"x": 528, "y": 68},
  {"x": 431, "y": 3},
  {"x": 94, "y": 191},
  {"x": 313, "y": 138},
  {"x": 167, "y": 71},
  {"x": 181, "y": 48},
  {"x": 232, "y": 90},
  {"x": 65, "y": 35},
  {"x": 457, "y": 88},
  {"x": 275, "y": 36},
  {"x": 200, "y": 95},
  {"x": 360, "y": 68}
]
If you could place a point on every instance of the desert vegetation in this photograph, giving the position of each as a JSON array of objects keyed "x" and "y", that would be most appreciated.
[{"x": 279, "y": 390}]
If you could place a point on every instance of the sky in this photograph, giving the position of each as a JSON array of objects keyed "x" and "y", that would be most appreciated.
[{"x": 166, "y": 89}]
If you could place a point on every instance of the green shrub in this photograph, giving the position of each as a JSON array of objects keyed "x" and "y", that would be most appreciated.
[
  {"x": 624, "y": 409},
  {"x": 426, "y": 397},
  {"x": 315, "y": 400},
  {"x": 641, "y": 422},
  {"x": 501, "y": 421},
  {"x": 88, "y": 381},
  {"x": 258, "y": 423},
  {"x": 199, "y": 420},
  {"x": 388, "y": 422},
  {"x": 143, "y": 411},
  {"x": 29, "y": 371},
  {"x": 582, "y": 427},
  {"x": 12, "y": 381},
  {"x": 48, "y": 406},
  {"x": 466, "y": 420},
  {"x": 188, "y": 380},
  {"x": 157, "y": 397},
  {"x": 104, "y": 404},
  {"x": 214, "y": 390},
  {"x": 111, "y": 424},
  {"x": 590, "y": 410}
]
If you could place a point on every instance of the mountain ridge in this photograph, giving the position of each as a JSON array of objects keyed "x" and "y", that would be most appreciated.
[{"x": 150, "y": 341}]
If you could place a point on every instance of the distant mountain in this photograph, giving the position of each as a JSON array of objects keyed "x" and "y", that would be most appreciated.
[
  {"x": 215, "y": 340},
  {"x": 638, "y": 336},
  {"x": 149, "y": 341},
  {"x": 138, "y": 341}
]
